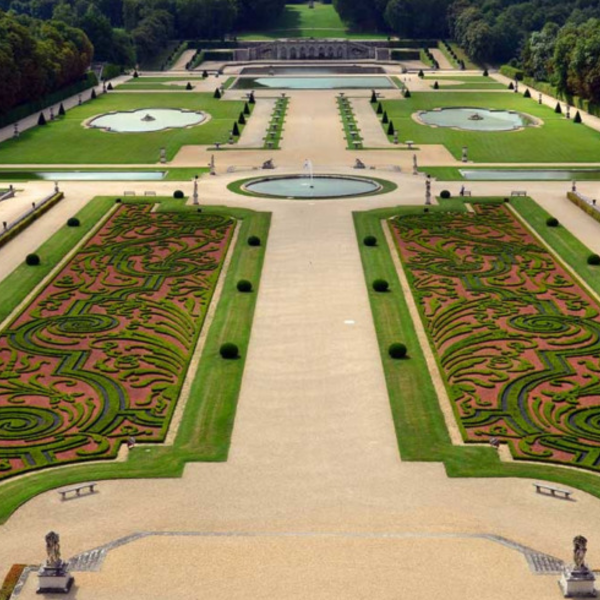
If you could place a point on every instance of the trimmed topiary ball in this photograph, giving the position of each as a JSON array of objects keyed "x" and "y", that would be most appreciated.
[
  {"x": 32, "y": 260},
  {"x": 229, "y": 350},
  {"x": 397, "y": 350},
  {"x": 243, "y": 285},
  {"x": 445, "y": 194},
  {"x": 370, "y": 240},
  {"x": 73, "y": 222},
  {"x": 178, "y": 194},
  {"x": 253, "y": 240},
  {"x": 381, "y": 285},
  {"x": 593, "y": 259},
  {"x": 552, "y": 222}
]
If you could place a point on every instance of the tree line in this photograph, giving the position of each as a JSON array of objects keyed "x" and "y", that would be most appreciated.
[{"x": 39, "y": 57}]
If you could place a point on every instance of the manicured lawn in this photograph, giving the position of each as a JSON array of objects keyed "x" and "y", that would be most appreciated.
[
  {"x": 207, "y": 422},
  {"x": 464, "y": 82},
  {"x": 453, "y": 174},
  {"x": 299, "y": 21},
  {"x": 556, "y": 140},
  {"x": 420, "y": 427},
  {"x": 176, "y": 174},
  {"x": 67, "y": 141}
]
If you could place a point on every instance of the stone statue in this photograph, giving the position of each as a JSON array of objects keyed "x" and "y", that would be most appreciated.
[
  {"x": 359, "y": 164},
  {"x": 53, "y": 550},
  {"x": 268, "y": 164},
  {"x": 579, "y": 551}
]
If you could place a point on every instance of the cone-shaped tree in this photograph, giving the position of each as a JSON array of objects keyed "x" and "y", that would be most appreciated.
[
  {"x": 436, "y": 85},
  {"x": 511, "y": 86},
  {"x": 379, "y": 109},
  {"x": 136, "y": 74},
  {"x": 558, "y": 109},
  {"x": 421, "y": 74},
  {"x": 385, "y": 118},
  {"x": 188, "y": 86},
  {"x": 61, "y": 110},
  {"x": 93, "y": 94},
  {"x": 577, "y": 118},
  {"x": 391, "y": 130},
  {"x": 217, "y": 93},
  {"x": 204, "y": 74},
  {"x": 373, "y": 97},
  {"x": 246, "y": 109},
  {"x": 109, "y": 86},
  {"x": 407, "y": 93},
  {"x": 251, "y": 100},
  {"x": 242, "y": 119},
  {"x": 485, "y": 73},
  {"x": 236, "y": 129},
  {"x": 526, "y": 94},
  {"x": 41, "y": 119}
]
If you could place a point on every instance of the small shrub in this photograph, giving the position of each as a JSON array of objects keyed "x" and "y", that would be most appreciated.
[
  {"x": 552, "y": 222},
  {"x": 253, "y": 240},
  {"x": 109, "y": 87},
  {"x": 421, "y": 74},
  {"x": 506, "y": 199},
  {"x": 527, "y": 94},
  {"x": 229, "y": 351},
  {"x": 32, "y": 260},
  {"x": 426, "y": 209},
  {"x": 511, "y": 86},
  {"x": 93, "y": 94},
  {"x": 217, "y": 93},
  {"x": 558, "y": 109},
  {"x": 381, "y": 285},
  {"x": 73, "y": 222},
  {"x": 41, "y": 119},
  {"x": 485, "y": 73},
  {"x": 436, "y": 85},
  {"x": 593, "y": 259},
  {"x": 397, "y": 350},
  {"x": 243, "y": 285},
  {"x": 251, "y": 100},
  {"x": 407, "y": 93},
  {"x": 178, "y": 194},
  {"x": 370, "y": 240},
  {"x": 61, "y": 110},
  {"x": 188, "y": 86},
  {"x": 577, "y": 118},
  {"x": 204, "y": 74},
  {"x": 373, "y": 97},
  {"x": 136, "y": 74},
  {"x": 117, "y": 200},
  {"x": 445, "y": 194}
]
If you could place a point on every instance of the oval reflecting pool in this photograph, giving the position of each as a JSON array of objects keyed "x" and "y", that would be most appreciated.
[
  {"x": 304, "y": 186},
  {"x": 475, "y": 119},
  {"x": 147, "y": 119}
]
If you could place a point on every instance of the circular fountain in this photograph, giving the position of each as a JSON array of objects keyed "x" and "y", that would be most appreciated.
[
  {"x": 475, "y": 119},
  {"x": 145, "y": 120},
  {"x": 307, "y": 186}
]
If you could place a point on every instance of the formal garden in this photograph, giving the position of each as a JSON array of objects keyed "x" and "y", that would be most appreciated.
[
  {"x": 102, "y": 350},
  {"x": 60, "y": 141},
  {"x": 553, "y": 139}
]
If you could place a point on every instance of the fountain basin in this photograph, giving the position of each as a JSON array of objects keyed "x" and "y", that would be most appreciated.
[
  {"x": 144, "y": 120},
  {"x": 475, "y": 119},
  {"x": 342, "y": 82},
  {"x": 305, "y": 187}
]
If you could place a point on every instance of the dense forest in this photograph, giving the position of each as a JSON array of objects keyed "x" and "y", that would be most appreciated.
[
  {"x": 555, "y": 41},
  {"x": 39, "y": 57}
]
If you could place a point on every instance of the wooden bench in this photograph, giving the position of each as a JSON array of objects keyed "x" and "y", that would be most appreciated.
[
  {"x": 88, "y": 487},
  {"x": 518, "y": 193},
  {"x": 553, "y": 491}
]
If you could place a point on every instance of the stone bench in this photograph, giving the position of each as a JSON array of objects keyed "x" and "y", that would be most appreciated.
[
  {"x": 518, "y": 193},
  {"x": 466, "y": 193},
  {"x": 129, "y": 193},
  {"x": 148, "y": 193},
  {"x": 550, "y": 490},
  {"x": 89, "y": 488}
]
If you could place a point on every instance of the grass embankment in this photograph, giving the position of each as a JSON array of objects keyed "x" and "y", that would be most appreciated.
[
  {"x": 453, "y": 173},
  {"x": 420, "y": 427},
  {"x": 300, "y": 21},
  {"x": 557, "y": 139},
  {"x": 205, "y": 430},
  {"x": 178, "y": 174},
  {"x": 351, "y": 130},
  {"x": 67, "y": 141}
]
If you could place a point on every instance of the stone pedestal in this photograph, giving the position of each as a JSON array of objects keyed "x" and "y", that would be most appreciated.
[
  {"x": 578, "y": 583},
  {"x": 54, "y": 580}
]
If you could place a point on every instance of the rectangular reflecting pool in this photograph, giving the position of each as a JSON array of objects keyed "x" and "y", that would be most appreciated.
[
  {"x": 529, "y": 174},
  {"x": 312, "y": 70},
  {"x": 101, "y": 175},
  {"x": 341, "y": 82}
]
